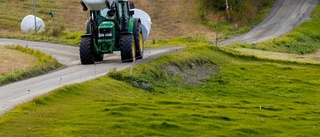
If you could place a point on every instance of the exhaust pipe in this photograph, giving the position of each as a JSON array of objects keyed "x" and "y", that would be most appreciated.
[{"x": 97, "y": 4}]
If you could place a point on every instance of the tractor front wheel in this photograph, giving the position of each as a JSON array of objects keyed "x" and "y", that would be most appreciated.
[
  {"x": 127, "y": 48},
  {"x": 86, "y": 56}
]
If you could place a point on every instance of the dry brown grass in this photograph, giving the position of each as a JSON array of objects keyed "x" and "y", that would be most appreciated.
[
  {"x": 71, "y": 15},
  {"x": 12, "y": 60},
  {"x": 173, "y": 18},
  {"x": 178, "y": 18}
]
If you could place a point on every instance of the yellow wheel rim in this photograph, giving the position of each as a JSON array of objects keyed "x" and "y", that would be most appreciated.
[
  {"x": 141, "y": 42},
  {"x": 133, "y": 50}
]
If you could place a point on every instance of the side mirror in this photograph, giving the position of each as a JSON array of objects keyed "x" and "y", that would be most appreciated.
[
  {"x": 85, "y": 8},
  {"x": 108, "y": 4},
  {"x": 131, "y": 5}
]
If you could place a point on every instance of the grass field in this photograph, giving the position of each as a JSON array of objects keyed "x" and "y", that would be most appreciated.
[
  {"x": 242, "y": 97},
  {"x": 238, "y": 95}
]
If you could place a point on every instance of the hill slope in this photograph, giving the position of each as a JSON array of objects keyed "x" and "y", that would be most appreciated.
[
  {"x": 178, "y": 18},
  {"x": 174, "y": 18},
  {"x": 170, "y": 19}
]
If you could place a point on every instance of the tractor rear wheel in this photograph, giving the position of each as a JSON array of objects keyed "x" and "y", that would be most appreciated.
[
  {"x": 127, "y": 48},
  {"x": 138, "y": 38},
  {"x": 86, "y": 56}
]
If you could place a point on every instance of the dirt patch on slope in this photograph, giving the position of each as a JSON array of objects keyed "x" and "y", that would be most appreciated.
[{"x": 192, "y": 73}]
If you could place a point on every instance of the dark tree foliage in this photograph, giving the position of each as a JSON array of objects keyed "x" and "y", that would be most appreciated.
[
  {"x": 239, "y": 10},
  {"x": 236, "y": 5},
  {"x": 214, "y": 5}
]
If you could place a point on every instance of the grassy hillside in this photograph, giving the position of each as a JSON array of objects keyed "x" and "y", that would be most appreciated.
[
  {"x": 240, "y": 97},
  {"x": 68, "y": 22},
  {"x": 173, "y": 19},
  {"x": 170, "y": 19}
]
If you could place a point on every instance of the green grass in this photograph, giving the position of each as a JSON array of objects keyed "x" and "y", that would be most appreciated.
[
  {"x": 44, "y": 64},
  {"x": 302, "y": 40},
  {"x": 245, "y": 97}
]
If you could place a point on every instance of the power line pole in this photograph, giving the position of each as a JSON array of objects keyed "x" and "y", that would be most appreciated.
[
  {"x": 227, "y": 9},
  {"x": 35, "y": 16},
  {"x": 52, "y": 18},
  {"x": 217, "y": 33}
]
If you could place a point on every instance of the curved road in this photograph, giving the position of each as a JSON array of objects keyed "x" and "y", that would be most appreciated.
[
  {"x": 23, "y": 91},
  {"x": 285, "y": 15}
]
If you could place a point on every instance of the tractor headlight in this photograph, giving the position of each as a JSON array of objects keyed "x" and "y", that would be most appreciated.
[
  {"x": 102, "y": 35},
  {"x": 105, "y": 32}
]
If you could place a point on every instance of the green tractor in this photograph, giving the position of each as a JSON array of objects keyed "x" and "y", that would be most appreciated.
[{"x": 111, "y": 27}]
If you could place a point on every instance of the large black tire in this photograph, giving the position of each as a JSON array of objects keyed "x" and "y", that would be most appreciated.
[
  {"x": 86, "y": 55},
  {"x": 127, "y": 48},
  {"x": 138, "y": 38}
]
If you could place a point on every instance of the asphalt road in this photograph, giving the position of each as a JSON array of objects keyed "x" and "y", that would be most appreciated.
[{"x": 285, "y": 15}]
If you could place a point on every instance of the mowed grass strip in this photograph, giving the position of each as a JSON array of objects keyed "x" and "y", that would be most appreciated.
[
  {"x": 244, "y": 98},
  {"x": 22, "y": 62},
  {"x": 13, "y": 60}
]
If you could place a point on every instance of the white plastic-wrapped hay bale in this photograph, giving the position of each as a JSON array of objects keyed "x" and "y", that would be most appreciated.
[
  {"x": 145, "y": 21},
  {"x": 28, "y": 25},
  {"x": 97, "y": 4}
]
